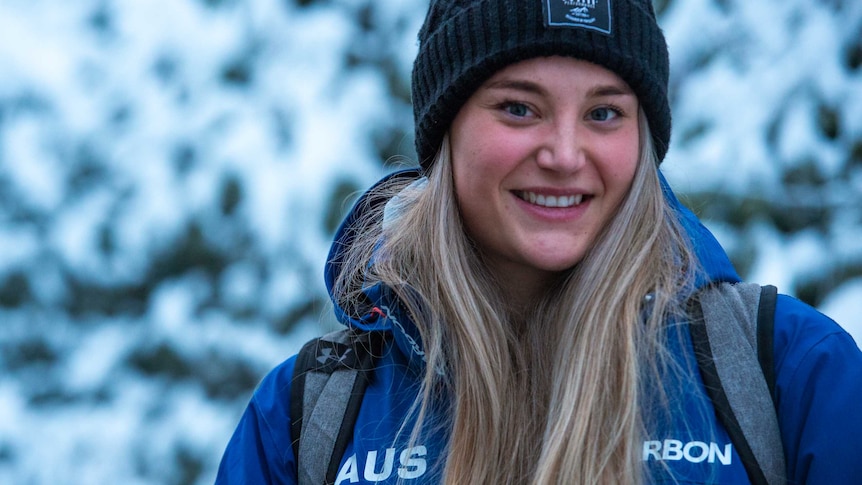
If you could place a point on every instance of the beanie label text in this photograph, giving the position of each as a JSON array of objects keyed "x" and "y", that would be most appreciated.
[{"x": 583, "y": 14}]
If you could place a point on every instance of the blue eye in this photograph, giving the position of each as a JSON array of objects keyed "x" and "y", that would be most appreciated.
[
  {"x": 517, "y": 109},
  {"x": 604, "y": 114}
]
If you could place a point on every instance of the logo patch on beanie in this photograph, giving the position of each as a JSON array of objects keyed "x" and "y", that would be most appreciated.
[{"x": 583, "y": 14}]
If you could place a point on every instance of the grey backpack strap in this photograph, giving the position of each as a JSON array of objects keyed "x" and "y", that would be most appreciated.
[
  {"x": 732, "y": 336},
  {"x": 329, "y": 380}
]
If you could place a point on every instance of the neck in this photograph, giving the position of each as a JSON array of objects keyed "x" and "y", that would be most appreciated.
[{"x": 522, "y": 292}]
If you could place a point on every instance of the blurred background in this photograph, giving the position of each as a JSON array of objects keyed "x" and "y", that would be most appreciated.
[{"x": 171, "y": 172}]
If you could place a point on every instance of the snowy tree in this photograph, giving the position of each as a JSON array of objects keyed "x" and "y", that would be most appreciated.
[{"x": 171, "y": 172}]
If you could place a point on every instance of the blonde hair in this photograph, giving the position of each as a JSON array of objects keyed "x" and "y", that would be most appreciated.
[{"x": 553, "y": 395}]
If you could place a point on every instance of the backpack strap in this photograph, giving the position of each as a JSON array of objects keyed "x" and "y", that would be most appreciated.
[
  {"x": 731, "y": 331},
  {"x": 765, "y": 334},
  {"x": 329, "y": 380}
]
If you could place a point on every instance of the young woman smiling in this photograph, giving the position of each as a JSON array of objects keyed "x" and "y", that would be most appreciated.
[
  {"x": 530, "y": 281},
  {"x": 543, "y": 153}
]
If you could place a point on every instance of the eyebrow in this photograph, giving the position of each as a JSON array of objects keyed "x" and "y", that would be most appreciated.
[
  {"x": 532, "y": 87},
  {"x": 516, "y": 84},
  {"x": 609, "y": 90}
]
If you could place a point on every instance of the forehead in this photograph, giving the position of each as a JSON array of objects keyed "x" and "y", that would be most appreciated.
[{"x": 563, "y": 69}]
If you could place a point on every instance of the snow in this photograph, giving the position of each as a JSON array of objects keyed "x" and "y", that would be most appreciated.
[
  {"x": 166, "y": 167},
  {"x": 844, "y": 305}
]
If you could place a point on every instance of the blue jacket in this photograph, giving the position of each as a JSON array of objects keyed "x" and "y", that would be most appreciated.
[{"x": 818, "y": 388}]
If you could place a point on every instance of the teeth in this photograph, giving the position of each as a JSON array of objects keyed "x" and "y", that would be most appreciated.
[{"x": 552, "y": 201}]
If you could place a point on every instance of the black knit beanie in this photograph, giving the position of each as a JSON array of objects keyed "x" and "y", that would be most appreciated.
[{"x": 464, "y": 42}]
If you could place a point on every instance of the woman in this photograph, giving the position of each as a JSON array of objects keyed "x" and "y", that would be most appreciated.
[{"x": 531, "y": 280}]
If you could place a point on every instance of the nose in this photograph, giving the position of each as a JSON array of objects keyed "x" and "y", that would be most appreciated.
[{"x": 563, "y": 150}]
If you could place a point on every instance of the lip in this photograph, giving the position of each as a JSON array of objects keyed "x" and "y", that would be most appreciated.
[
  {"x": 569, "y": 211},
  {"x": 551, "y": 201}
]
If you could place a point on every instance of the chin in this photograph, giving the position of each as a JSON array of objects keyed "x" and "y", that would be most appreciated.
[{"x": 558, "y": 264}]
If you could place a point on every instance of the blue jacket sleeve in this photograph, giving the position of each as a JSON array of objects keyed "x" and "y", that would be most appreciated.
[
  {"x": 260, "y": 452},
  {"x": 818, "y": 394}
]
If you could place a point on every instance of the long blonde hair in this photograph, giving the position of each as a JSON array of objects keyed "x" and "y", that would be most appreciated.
[{"x": 554, "y": 394}]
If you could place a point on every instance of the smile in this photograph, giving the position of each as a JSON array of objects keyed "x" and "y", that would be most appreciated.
[{"x": 562, "y": 201}]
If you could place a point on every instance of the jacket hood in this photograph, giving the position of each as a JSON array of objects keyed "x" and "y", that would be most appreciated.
[
  {"x": 381, "y": 313},
  {"x": 716, "y": 266},
  {"x": 343, "y": 238}
]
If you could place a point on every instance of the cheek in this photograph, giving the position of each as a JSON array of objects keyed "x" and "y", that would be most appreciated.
[
  {"x": 623, "y": 184},
  {"x": 469, "y": 191},
  {"x": 622, "y": 165},
  {"x": 474, "y": 182},
  {"x": 474, "y": 167},
  {"x": 624, "y": 173}
]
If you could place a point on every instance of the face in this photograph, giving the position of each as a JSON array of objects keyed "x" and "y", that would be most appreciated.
[{"x": 542, "y": 155}]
